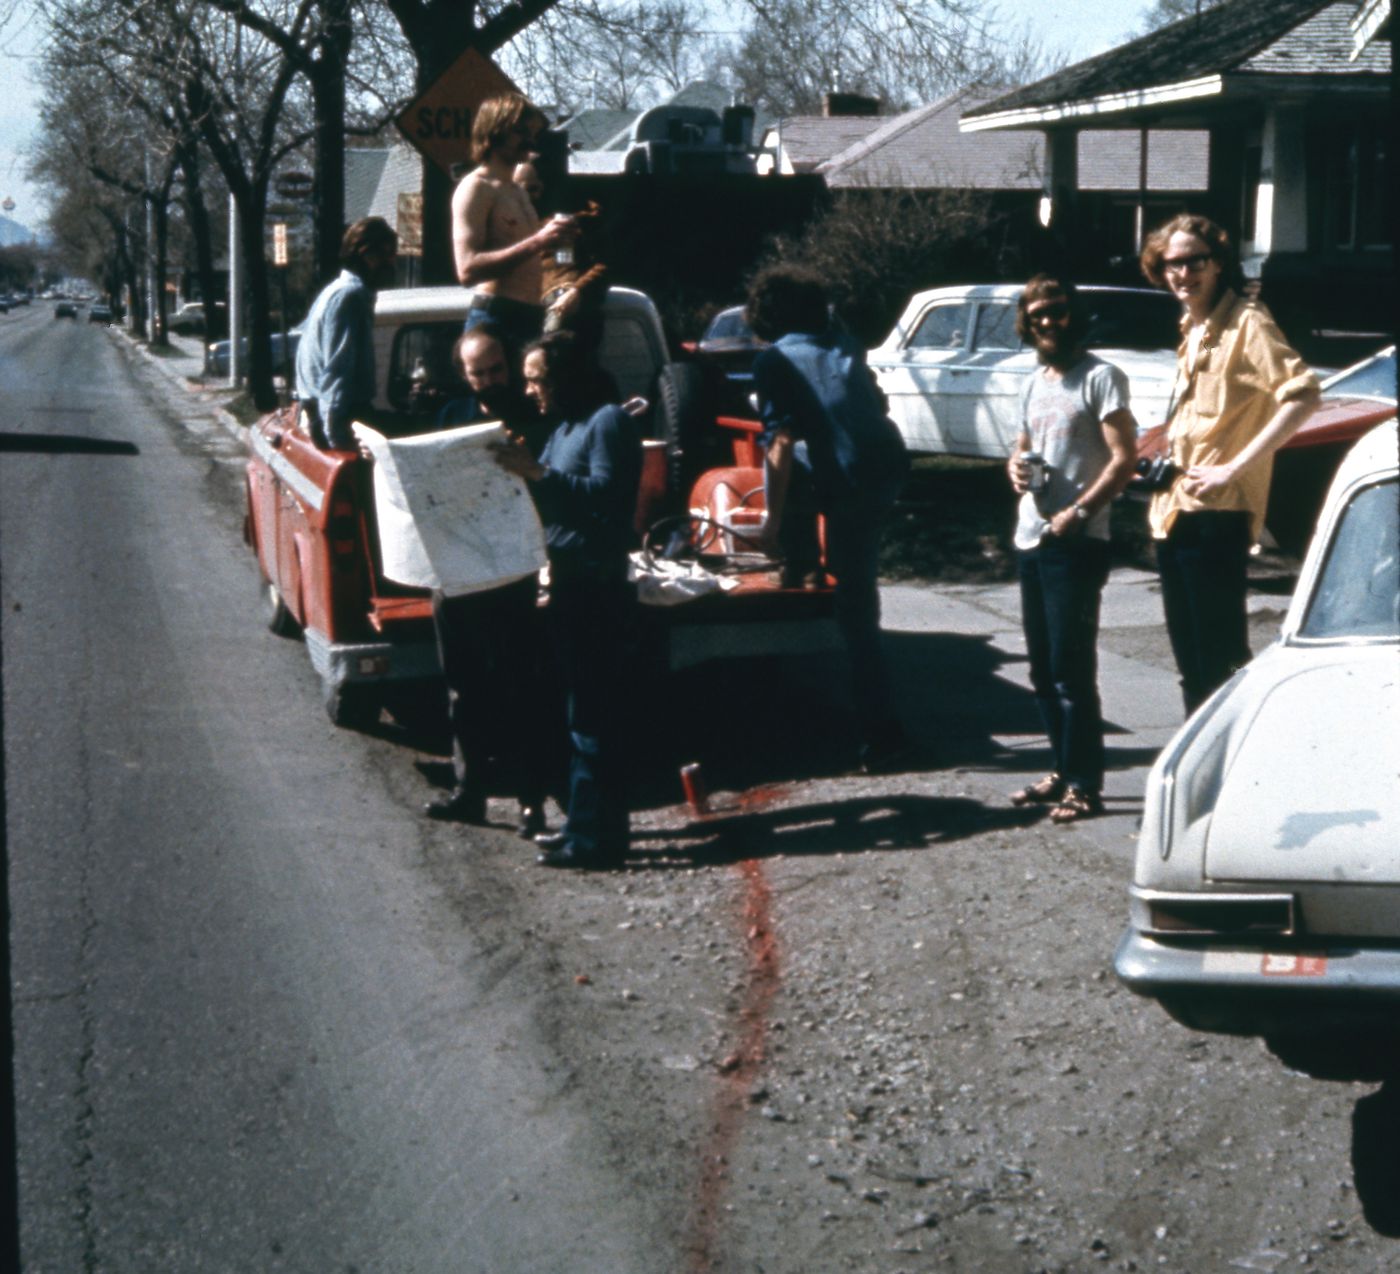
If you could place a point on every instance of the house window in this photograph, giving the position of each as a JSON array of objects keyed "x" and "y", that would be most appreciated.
[{"x": 1357, "y": 206}]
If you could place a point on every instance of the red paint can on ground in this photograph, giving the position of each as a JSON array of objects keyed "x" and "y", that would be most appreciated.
[{"x": 693, "y": 782}]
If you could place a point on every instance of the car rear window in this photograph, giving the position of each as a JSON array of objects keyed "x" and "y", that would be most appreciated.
[
  {"x": 1358, "y": 591},
  {"x": 1132, "y": 320},
  {"x": 727, "y": 324},
  {"x": 422, "y": 353},
  {"x": 996, "y": 327},
  {"x": 1375, "y": 378}
]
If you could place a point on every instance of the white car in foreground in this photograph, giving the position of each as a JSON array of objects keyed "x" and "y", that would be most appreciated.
[
  {"x": 953, "y": 368},
  {"x": 1266, "y": 892}
]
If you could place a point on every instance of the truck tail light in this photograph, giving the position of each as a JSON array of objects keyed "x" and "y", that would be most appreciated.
[
  {"x": 1222, "y": 915},
  {"x": 342, "y": 528}
]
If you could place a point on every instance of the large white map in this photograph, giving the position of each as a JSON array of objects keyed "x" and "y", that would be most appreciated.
[{"x": 449, "y": 516}]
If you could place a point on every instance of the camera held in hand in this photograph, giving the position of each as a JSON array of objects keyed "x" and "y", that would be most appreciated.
[{"x": 1155, "y": 473}]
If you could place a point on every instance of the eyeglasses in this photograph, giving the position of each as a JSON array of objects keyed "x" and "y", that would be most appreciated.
[
  {"x": 1188, "y": 265},
  {"x": 1055, "y": 313}
]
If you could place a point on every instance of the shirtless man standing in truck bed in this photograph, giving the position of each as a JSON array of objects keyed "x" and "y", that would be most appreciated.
[{"x": 497, "y": 237}]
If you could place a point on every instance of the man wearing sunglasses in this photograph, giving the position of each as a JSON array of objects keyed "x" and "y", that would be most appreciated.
[
  {"x": 1075, "y": 453},
  {"x": 1241, "y": 392}
]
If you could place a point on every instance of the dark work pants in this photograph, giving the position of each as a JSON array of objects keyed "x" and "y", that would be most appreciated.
[
  {"x": 491, "y": 645},
  {"x": 591, "y": 623},
  {"x": 1061, "y": 585},
  {"x": 853, "y": 531},
  {"x": 1204, "y": 564}
]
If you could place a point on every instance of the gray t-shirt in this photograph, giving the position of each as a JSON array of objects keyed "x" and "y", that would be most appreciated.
[{"x": 1064, "y": 418}]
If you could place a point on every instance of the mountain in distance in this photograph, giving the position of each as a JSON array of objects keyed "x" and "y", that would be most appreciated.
[{"x": 11, "y": 233}]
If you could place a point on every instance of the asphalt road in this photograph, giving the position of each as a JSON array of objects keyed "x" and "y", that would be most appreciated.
[
  {"x": 252, "y": 1032},
  {"x": 269, "y": 1019}
]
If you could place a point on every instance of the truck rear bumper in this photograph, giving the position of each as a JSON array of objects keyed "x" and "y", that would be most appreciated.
[
  {"x": 340, "y": 663},
  {"x": 691, "y": 644}
]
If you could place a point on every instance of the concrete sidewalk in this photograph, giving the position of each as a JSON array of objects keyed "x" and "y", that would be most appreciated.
[{"x": 182, "y": 365}]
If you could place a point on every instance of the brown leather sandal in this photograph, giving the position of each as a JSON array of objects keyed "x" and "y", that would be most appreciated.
[
  {"x": 1075, "y": 804},
  {"x": 1044, "y": 791}
]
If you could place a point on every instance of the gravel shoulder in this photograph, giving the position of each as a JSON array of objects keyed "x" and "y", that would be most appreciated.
[{"x": 869, "y": 1024}]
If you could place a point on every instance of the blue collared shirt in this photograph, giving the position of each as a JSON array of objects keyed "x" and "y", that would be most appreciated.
[
  {"x": 335, "y": 359},
  {"x": 816, "y": 387}
]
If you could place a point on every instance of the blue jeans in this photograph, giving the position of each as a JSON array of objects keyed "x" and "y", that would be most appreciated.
[
  {"x": 1204, "y": 564},
  {"x": 853, "y": 530},
  {"x": 1061, "y": 585},
  {"x": 591, "y": 620},
  {"x": 514, "y": 323}
]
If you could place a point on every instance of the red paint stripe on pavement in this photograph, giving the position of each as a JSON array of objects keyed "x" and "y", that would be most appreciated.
[{"x": 741, "y": 1068}]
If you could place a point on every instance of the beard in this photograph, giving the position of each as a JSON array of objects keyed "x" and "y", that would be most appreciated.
[{"x": 1057, "y": 349}]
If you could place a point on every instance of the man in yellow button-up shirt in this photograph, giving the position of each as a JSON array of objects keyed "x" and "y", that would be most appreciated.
[{"x": 1241, "y": 392}]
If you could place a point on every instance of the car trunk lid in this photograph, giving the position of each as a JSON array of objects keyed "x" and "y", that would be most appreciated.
[{"x": 1313, "y": 791}]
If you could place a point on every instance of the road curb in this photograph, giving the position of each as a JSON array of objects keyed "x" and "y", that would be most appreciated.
[{"x": 191, "y": 388}]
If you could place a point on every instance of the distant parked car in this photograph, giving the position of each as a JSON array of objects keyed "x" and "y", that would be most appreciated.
[
  {"x": 5, "y": 302},
  {"x": 99, "y": 312},
  {"x": 218, "y": 352},
  {"x": 65, "y": 309},
  {"x": 953, "y": 368},
  {"x": 728, "y": 344},
  {"x": 1266, "y": 892},
  {"x": 195, "y": 319}
]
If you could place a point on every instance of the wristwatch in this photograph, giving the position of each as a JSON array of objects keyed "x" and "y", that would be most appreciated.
[{"x": 1081, "y": 512}]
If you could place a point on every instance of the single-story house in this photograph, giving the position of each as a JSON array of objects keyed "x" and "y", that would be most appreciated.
[{"x": 1298, "y": 123}]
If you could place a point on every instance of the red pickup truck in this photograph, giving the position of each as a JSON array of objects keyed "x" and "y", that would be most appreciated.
[{"x": 311, "y": 518}]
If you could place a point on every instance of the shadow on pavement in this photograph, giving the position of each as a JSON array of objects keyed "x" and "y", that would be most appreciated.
[
  {"x": 762, "y": 721},
  {"x": 1375, "y": 1157},
  {"x": 1360, "y": 1056},
  {"x": 65, "y": 444},
  {"x": 896, "y": 822}
]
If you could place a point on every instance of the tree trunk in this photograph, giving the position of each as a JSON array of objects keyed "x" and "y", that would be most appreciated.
[
  {"x": 251, "y": 223},
  {"x": 328, "y": 101},
  {"x": 202, "y": 230},
  {"x": 161, "y": 210}
]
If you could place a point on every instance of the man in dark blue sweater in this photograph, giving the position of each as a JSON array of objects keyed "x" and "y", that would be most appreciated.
[{"x": 585, "y": 487}]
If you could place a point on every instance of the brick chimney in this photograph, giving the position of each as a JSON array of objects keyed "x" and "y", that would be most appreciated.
[{"x": 834, "y": 104}]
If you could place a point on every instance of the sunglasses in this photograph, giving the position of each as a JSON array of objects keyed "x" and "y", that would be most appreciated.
[
  {"x": 1189, "y": 265},
  {"x": 1054, "y": 313}
]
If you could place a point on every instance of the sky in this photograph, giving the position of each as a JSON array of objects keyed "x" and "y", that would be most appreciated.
[{"x": 1076, "y": 28}]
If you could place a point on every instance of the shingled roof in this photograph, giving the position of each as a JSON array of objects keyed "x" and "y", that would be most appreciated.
[
  {"x": 364, "y": 166},
  {"x": 596, "y": 127},
  {"x": 1239, "y": 39},
  {"x": 809, "y": 140},
  {"x": 923, "y": 150}
]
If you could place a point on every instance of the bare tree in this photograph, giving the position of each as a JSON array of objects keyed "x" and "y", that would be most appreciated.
[
  {"x": 583, "y": 53},
  {"x": 791, "y": 53},
  {"x": 876, "y": 246},
  {"x": 1165, "y": 12}
]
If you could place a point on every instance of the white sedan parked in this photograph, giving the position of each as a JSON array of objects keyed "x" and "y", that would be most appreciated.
[
  {"x": 1266, "y": 892},
  {"x": 953, "y": 368}
]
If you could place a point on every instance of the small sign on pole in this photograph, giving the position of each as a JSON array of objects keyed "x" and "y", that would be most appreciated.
[
  {"x": 279, "y": 243},
  {"x": 409, "y": 216}
]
